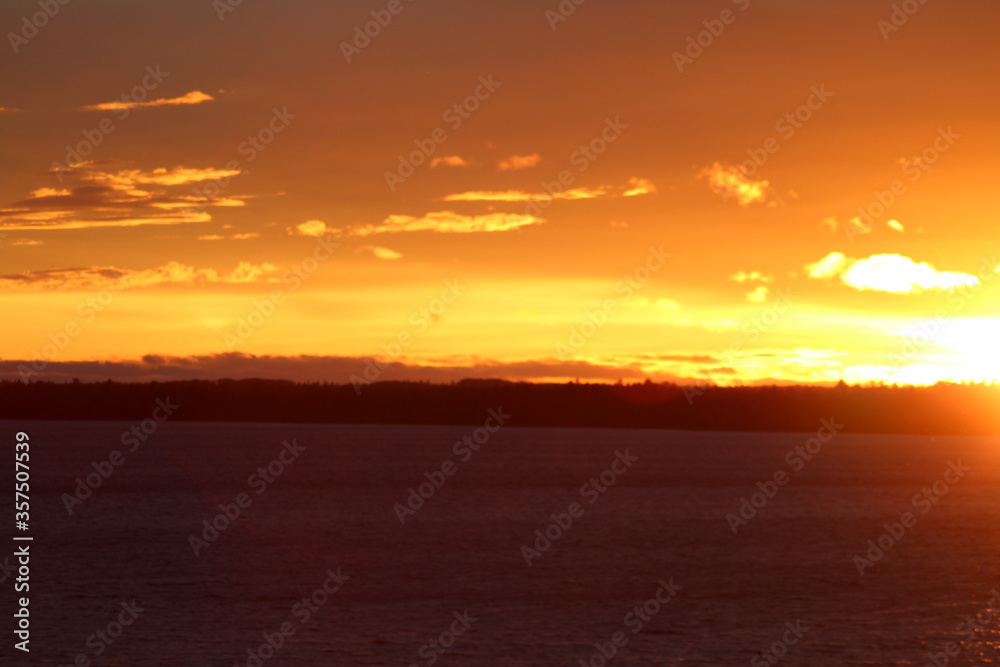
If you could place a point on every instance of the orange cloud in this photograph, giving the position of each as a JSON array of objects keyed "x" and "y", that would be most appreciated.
[
  {"x": 635, "y": 187},
  {"x": 194, "y": 97},
  {"x": 448, "y": 222},
  {"x": 449, "y": 161},
  {"x": 234, "y": 237},
  {"x": 639, "y": 186},
  {"x": 105, "y": 199},
  {"x": 383, "y": 253},
  {"x": 853, "y": 227},
  {"x": 732, "y": 182},
  {"x": 175, "y": 176},
  {"x": 521, "y": 196},
  {"x": 315, "y": 228},
  {"x": 518, "y": 162}
]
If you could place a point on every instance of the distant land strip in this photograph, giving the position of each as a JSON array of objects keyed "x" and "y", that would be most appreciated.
[{"x": 945, "y": 409}]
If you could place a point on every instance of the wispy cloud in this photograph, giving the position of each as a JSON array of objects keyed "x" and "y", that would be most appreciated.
[
  {"x": 635, "y": 187},
  {"x": 853, "y": 227},
  {"x": 95, "y": 198},
  {"x": 888, "y": 272},
  {"x": 518, "y": 162},
  {"x": 446, "y": 222},
  {"x": 102, "y": 277},
  {"x": 232, "y": 237},
  {"x": 639, "y": 186},
  {"x": 448, "y": 161},
  {"x": 175, "y": 176},
  {"x": 751, "y": 277},
  {"x": 194, "y": 97},
  {"x": 314, "y": 228},
  {"x": 731, "y": 182},
  {"x": 382, "y": 253},
  {"x": 522, "y": 196}
]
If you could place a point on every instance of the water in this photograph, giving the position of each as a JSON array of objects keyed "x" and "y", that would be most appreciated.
[{"x": 663, "y": 518}]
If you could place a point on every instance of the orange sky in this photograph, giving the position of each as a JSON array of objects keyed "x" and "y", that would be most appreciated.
[{"x": 237, "y": 198}]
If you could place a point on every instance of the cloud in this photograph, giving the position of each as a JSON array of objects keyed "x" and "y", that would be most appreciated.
[
  {"x": 310, "y": 368},
  {"x": 245, "y": 272},
  {"x": 759, "y": 295},
  {"x": 27, "y": 242},
  {"x": 853, "y": 227},
  {"x": 448, "y": 222},
  {"x": 751, "y": 277},
  {"x": 639, "y": 186},
  {"x": 104, "y": 277},
  {"x": 521, "y": 196},
  {"x": 449, "y": 161},
  {"x": 233, "y": 237},
  {"x": 175, "y": 176},
  {"x": 49, "y": 192},
  {"x": 764, "y": 368},
  {"x": 888, "y": 273},
  {"x": 194, "y": 97},
  {"x": 95, "y": 198},
  {"x": 383, "y": 253},
  {"x": 833, "y": 264},
  {"x": 897, "y": 225},
  {"x": 518, "y": 162},
  {"x": 314, "y": 228},
  {"x": 896, "y": 273},
  {"x": 732, "y": 182},
  {"x": 635, "y": 187}
]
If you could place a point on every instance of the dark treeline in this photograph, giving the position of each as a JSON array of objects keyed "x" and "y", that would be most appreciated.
[{"x": 941, "y": 409}]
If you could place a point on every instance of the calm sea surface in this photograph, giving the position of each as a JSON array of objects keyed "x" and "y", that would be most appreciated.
[{"x": 661, "y": 519}]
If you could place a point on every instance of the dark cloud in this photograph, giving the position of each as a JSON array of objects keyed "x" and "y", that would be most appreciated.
[{"x": 308, "y": 368}]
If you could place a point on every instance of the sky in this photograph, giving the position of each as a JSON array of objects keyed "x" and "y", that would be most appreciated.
[{"x": 730, "y": 192}]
